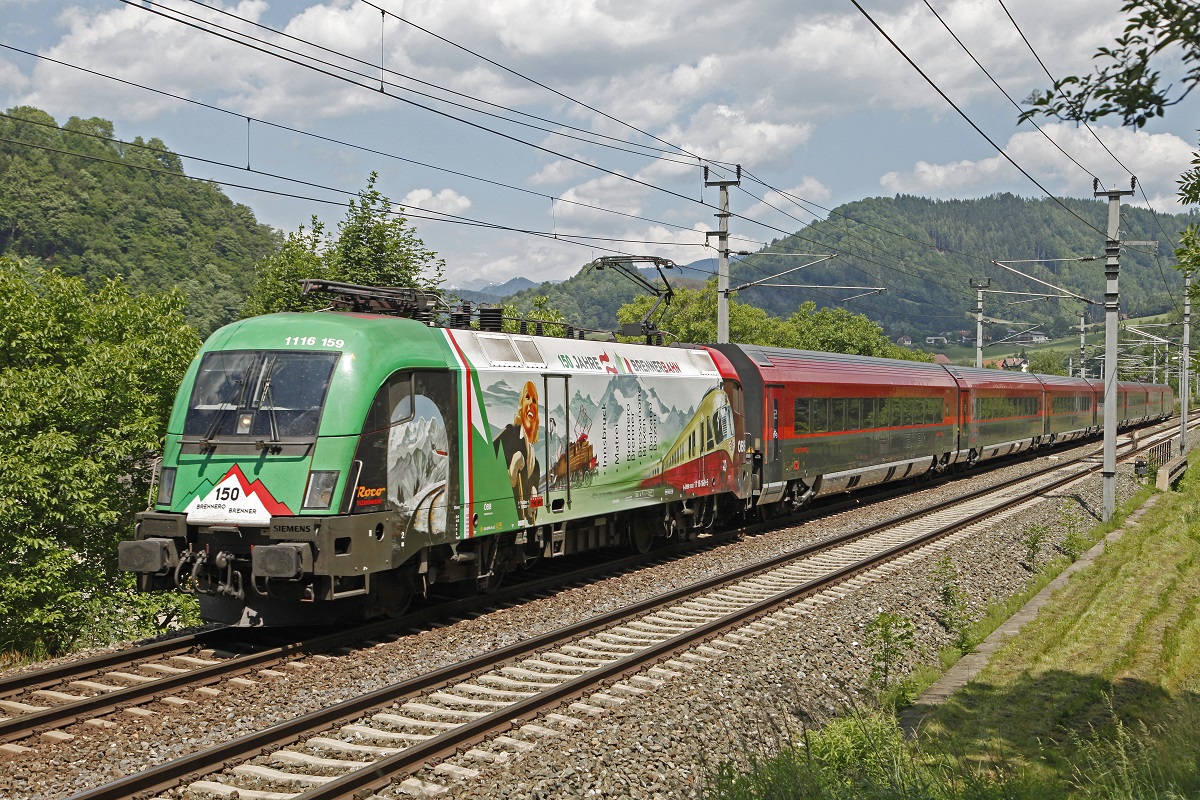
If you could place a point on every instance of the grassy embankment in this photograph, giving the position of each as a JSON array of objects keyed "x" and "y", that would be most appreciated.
[{"x": 1099, "y": 696}]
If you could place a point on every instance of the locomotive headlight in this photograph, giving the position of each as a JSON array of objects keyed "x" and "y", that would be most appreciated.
[
  {"x": 244, "y": 423},
  {"x": 319, "y": 492},
  {"x": 166, "y": 486}
]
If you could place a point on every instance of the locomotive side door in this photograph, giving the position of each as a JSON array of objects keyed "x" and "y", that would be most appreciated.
[{"x": 556, "y": 452}]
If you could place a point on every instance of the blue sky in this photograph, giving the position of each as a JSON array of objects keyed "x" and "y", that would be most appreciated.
[{"x": 807, "y": 97}]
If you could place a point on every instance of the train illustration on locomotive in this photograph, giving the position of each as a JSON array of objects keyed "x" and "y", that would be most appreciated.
[{"x": 328, "y": 465}]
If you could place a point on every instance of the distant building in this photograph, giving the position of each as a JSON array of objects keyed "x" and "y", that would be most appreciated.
[
  {"x": 904, "y": 341},
  {"x": 939, "y": 341},
  {"x": 940, "y": 358}
]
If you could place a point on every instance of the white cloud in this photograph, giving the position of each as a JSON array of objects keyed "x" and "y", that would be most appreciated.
[
  {"x": 447, "y": 201},
  {"x": 11, "y": 78},
  {"x": 556, "y": 173},
  {"x": 778, "y": 204},
  {"x": 607, "y": 192},
  {"x": 191, "y": 63},
  {"x": 1156, "y": 158}
]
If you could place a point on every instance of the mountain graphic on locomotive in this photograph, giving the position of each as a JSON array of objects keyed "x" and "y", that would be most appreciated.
[{"x": 328, "y": 465}]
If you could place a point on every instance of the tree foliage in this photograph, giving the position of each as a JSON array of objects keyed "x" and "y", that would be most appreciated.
[
  {"x": 589, "y": 299},
  {"x": 538, "y": 310},
  {"x": 91, "y": 207},
  {"x": 1128, "y": 80},
  {"x": 941, "y": 246},
  {"x": 374, "y": 246},
  {"x": 928, "y": 272},
  {"x": 692, "y": 317},
  {"x": 1048, "y": 362},
  {"x": 86, "y": 383}
]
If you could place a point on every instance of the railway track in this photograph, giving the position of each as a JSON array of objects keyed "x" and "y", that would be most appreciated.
[
  {"x": 442, "y": 726},
  {"x": 42, "y": 702}
]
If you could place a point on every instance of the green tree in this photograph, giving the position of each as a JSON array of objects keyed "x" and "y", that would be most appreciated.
[
  {"x": 837, "y": 330},
  {"x": 692, "y": 317},
  {"x": 86, "y": 383},
  {"x": 93, "y": 207},
  {"x": 1127, "y": 79},
  {"x": 554, "y": 322},
  {"x": 374, "y": 246},
  {"x": 1048, "y": 362}
]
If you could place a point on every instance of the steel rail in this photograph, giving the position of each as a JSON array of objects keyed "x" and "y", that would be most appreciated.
[
  {"x": 386, "y": 770},
  {"x": 82, "y": 668},
  {"x": 169, "y": 775},
  {"x": 23, "y": 726}
]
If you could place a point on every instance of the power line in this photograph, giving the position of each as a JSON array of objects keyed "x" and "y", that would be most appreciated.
[
  {"x": 446, "y": 114},
  {"x": 340, "y": 142},
  {"x": 432, "y": 216},
  {"x": 1008, "y": 97},
  {"x": 414, "y": 79},
  {"x": 1100, "y": 141},
  {"x": 1042, "y": 64},
  {"x": 534, "y": 81},
  {"x": 968, "y": 120},
  {"x": 261, "y": 45}
]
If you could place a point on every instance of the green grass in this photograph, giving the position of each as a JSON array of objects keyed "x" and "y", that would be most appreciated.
[{"x": 1099, "y": 697}]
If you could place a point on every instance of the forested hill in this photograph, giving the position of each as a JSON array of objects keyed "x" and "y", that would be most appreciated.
[
  {"x": 124, "y": 210},
  {"x": 927, "y": 251}
]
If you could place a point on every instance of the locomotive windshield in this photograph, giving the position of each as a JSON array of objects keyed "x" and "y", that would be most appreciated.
[{"x": 265, "y": 394}]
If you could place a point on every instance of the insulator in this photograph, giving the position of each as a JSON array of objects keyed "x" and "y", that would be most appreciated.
[
  {"x": 570, "y": 332},
  {"x": 524, "y": 327},
  {"x": 539, "y": 330},
  {"x": 491, "y": 319}
]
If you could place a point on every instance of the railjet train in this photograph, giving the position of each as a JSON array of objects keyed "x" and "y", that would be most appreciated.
[{"x": 325, "y": 466}]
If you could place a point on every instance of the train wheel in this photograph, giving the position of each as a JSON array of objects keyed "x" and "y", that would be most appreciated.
[
  {"x": 393, "y": 592},
  {"x": 639, "y": 536}
]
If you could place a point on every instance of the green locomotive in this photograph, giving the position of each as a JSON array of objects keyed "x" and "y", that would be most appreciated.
[{"x": 319, "y": 466}]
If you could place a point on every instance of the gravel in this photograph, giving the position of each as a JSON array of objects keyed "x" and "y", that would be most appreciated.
[{"x": 663, "y": 745}]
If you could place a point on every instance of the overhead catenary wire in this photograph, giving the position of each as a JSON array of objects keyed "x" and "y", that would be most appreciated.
[
  {"x": 538, "y": 83},
  {"x": 1102, "y": 144},
  {"x": 636, "y": 181},
  {"x": 339, "y": 142},
  {"x": 633, "y": 216},
  {"x": 427, "y": 215},
  {"x": 261, "y": 44},
  {"x": 1007, "y": 96},
  {"x": 968, "y": 119},
  {"x": 559, "y": 154},
  {"x": 1042, "y": 64}
]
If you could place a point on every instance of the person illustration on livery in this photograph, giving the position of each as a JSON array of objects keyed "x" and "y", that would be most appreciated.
[{"x": 518, "y": 440}]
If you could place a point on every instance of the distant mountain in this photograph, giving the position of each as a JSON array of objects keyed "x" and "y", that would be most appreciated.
[
  {"x": 925, "y": 253},
  {"x": 590, "y": 298},
  {"x": 481, "y": 291}
]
